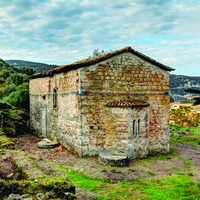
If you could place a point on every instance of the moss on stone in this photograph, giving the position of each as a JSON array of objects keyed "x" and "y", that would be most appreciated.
[
  {"x": 5, "y": 142},
  {"x": 33, "y": 179},
  {"x": 58, "y": 185}
]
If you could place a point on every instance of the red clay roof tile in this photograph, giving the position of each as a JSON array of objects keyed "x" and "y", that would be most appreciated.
[{"x": 128, "y": 103}]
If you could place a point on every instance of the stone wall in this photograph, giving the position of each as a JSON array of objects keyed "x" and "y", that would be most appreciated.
[
  {"x": 124, "y": 77},
  {"x": 60, "y": 122}
]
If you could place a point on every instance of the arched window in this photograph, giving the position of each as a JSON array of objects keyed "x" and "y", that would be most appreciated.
[
  {"x": 136, "y": 128},
  {"x": 55, "y": 97}
]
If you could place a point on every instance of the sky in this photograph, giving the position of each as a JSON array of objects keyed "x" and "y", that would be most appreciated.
[{"x": 64, "y": 31}]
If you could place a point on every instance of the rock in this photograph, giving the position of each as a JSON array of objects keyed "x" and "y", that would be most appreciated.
[
  {"x": 184, "y": 132},
  {"x": 40, "y": 196},
  {"x": 114, "y": 158},
  {"x": 14, "y": 197},
  {"x": 27, "y": 197},
  {"x": 47, "y": 144}
]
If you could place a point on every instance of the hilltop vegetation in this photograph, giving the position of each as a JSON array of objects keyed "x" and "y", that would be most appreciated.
[
  {"x": 37, "y": 67},
  {"x": 14, "y": 87},
  {"x": 14, "y": 99}
]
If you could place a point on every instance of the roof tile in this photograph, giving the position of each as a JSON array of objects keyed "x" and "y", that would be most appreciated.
[{"x": 128, "y": 103}]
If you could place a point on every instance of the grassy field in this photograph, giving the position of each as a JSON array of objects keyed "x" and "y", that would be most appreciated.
[
  {"x": 178, "y": 186},
  {"x": 181, "y": 181}
]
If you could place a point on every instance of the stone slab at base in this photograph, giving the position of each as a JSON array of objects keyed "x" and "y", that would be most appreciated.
[
  {"x": 114, "y": 158},
  {"x": 47, "y": 144}
]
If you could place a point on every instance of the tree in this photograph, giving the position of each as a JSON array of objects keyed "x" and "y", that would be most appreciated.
[
  {"x": 17, "y": 78},
  {"x": 98, "y": 52}
]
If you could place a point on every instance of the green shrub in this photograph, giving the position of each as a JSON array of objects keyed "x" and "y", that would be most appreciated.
[
  {"x": 20, "y": 97},
  {"x": 9, "y": 89}
]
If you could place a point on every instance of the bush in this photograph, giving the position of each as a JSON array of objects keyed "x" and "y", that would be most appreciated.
[
  {"x": 8, "y": 89},
  {"x": 1, "y": 79},
  {"x": 20, "y": 97},
  {"x": 185, "y": 116}
]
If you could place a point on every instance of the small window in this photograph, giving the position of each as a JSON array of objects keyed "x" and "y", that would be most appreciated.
[
  {"x": 136, "y": 128},
  {"x": 55, "y": 97}
]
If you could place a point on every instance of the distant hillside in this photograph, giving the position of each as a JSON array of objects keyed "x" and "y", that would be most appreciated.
[
  {"x": 180, "y": 82},
  {"x": 38, "y": 67}
]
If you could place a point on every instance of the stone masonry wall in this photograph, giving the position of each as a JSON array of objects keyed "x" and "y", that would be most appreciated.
[
  {"x": 124, "y": 77},
  {"x": 63, "y": 121},
  {"x": 83, "y": 122}
]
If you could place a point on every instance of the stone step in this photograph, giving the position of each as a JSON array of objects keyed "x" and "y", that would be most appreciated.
[{"x": 113, "y": 158}]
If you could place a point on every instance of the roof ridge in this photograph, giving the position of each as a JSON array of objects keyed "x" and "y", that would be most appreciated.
[{"x": 90, "y": 61}]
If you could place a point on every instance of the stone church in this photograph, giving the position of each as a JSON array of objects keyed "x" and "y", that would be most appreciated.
[{"x": 119, "y": 100}]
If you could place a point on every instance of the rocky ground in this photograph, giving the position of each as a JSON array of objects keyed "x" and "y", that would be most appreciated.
[{"x": 152, "y": 167}]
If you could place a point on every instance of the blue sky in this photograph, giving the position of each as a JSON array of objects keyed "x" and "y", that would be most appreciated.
[{"x": 64, "y": 31}]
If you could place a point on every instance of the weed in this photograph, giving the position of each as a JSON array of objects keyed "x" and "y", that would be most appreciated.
[
  {"x": 187, "y": 162},
  {"x": 32, "y": 183},
  {"x": 3, "y": 150},
  {"x": 117, "y": 171},
  {"x": 180, "y": 173},
  {"x": 132, "y": 170},
  {"x": 151, "y": 173},
  {"x": 190, "y": 174}
]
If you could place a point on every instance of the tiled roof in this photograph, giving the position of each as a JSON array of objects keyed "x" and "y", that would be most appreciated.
[
  {"x": 128, "y": 103},
  {"x": 97, "y": 59}
]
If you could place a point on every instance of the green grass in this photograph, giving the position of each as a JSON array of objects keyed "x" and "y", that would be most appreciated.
[
  {"x": 193, "y": 140},
  {"x": 175, "y": 187},
  {"x": 193, "y": 130},
  {"x": 79, "y": 179},
  {"x": 187, "y": 162},
  {"x": 192, "y": 135},
  {"x": 153, "y": 158}
]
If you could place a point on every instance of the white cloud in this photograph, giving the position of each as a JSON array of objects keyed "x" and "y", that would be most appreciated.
[{"x": 60, "y": 31}]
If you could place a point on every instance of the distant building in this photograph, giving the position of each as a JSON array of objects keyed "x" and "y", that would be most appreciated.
[
  {"x": 119, "y": 100},
  {"x": 16, "y": 65},
  {"x": 175, "y": 105}
]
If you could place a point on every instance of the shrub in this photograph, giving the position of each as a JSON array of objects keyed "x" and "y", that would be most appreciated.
[
  {"x": 20, "y": 97},
  {"x": 8, "y": 89},
  {"x": 185, "y": 116}
]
